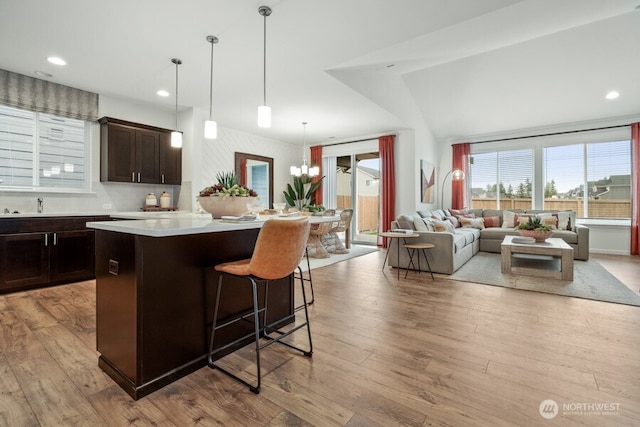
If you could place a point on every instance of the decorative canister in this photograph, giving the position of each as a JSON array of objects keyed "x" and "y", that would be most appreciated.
[
  {"x": 151, "y": 200},
  {"x": 165, "y": 200}
]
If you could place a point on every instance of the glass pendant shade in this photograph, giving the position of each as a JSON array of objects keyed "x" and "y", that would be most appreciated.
[
  {"x": 264, "y": 116},
  {"x": 176, "y": 139},
  {"x": 210, "y": 129},
  {"x": 314, "y": 171}
]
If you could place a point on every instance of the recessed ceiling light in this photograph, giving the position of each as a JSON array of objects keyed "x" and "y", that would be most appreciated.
[
  {"x": 612, "y": 95},
  {"x": 56, "y": 60},
  {"x": 162, "y": 92},
  {"x": 43, "y": 74}
]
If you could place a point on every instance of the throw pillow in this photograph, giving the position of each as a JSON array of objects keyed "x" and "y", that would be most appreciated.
[
  {"x": 443, "y": 226},
  {"x": 453, "y": 220},
  {"x": 508, "y": 219},
  {"x": 472, "y": 223},
  {"x": 419, "y": 224},
  {"x": 458, "y": 212},
  {"x": 429, "y": 223},
  {"x": 522, "y": 219},
  {"x": 549, "y": 219},
  {"x": 491, "y": 221},
  {"x": 566, "y": 220},
  {"x": 405, "y": 222}
]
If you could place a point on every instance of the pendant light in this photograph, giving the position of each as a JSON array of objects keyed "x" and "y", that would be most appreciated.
[
  {"x": 264, "y": 112},
  {"x": 304, "y": 169},
  {"x": 176, "y": 136},
  {"x": 210, "y": 126}
]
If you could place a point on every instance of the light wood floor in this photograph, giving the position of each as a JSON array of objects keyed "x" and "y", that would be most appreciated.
[{"x": 387, "y": 352}]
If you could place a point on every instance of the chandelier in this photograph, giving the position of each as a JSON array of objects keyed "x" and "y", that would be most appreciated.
[{"x": 304, "y": 169}]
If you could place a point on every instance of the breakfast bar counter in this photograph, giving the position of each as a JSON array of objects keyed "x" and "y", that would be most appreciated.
[{"x": 155, "y": 293}]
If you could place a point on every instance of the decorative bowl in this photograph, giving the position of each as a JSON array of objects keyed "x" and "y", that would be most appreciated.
[
  {"x": 218, "y": 206},
  {"x": 539, "y": 236}
]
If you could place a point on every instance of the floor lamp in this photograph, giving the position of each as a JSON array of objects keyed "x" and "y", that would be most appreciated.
[{"x": 456, "y": 175}]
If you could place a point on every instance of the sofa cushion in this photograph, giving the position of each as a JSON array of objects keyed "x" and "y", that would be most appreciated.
[
  {"x": 424, "y": 214},
  {"x": 567, "y": 236},
  {"x": 465, "y": 236},
  {"x": 497, "y": 233}
]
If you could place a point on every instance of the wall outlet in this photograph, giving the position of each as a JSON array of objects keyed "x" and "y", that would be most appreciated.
[{"x": 106, "y": 206}]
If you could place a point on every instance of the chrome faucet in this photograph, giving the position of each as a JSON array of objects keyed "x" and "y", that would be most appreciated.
[{"x": 40, "y": 205}]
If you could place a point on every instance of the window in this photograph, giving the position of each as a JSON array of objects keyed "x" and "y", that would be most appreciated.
[
  {"x": 502, "y": 180},
  {"x": 589, "y": 173},
  {"x": 43, "y": 151},
  {"x": 592, "y": 179}
]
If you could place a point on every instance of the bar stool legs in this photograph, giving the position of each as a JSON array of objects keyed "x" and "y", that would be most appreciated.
[
  {"x": 305, "y": 279},
  {"x": 258, "y": 315}
]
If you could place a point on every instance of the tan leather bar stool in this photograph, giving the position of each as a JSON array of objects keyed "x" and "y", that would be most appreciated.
[{"x": 277, "y": 254}]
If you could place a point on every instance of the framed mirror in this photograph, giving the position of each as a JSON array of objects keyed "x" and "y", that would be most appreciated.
[{"x": 256, "y": 172}]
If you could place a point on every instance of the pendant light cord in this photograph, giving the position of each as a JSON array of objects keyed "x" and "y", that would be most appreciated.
[
  {"x": 177, "y": 62},
  {"x": 264, "y": 60},
  {"x": 211, "y": 86}
]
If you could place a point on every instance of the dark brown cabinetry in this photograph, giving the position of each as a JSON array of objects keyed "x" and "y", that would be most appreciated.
[
  {"x": 131, "y": 152},
  {"x": 36, "y": 252}
]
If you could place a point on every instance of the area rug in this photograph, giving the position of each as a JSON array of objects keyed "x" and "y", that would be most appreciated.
[
  {"x": 590, "y": 280},
  {"x": 354, "y": 251}
]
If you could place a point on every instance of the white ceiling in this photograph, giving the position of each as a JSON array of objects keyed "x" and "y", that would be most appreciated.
[{"x": 471, "y": 66}]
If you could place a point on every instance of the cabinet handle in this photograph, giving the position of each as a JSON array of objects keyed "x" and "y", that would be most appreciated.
[
  {"x": 133, "y": 177},
  {"x": 46, "y": 239},
  {"x": 138, "y": 176},
  {"x": 55, "y": 239},
  {"x": 163, "y": 178}
]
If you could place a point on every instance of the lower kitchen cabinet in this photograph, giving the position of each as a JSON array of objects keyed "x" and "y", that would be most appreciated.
[
  {"x": 24, "y": 259},
  {"x": 38, "y": 252}
]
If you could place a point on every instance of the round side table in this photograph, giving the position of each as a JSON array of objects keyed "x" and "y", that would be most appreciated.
[
  {"x": 416, "y": 248},
  {"x": 395, "y": 236}
]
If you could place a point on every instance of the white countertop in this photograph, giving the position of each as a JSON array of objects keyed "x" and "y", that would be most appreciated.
[{"x": 165, "y": 224}]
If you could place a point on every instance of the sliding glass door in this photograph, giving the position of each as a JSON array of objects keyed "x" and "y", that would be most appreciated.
[{"x": 357, "y": 186}]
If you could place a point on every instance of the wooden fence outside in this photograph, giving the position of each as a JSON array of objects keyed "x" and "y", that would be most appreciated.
[
  {"x": 597, "y": 208},
  {"x": 368, "y": 207}
]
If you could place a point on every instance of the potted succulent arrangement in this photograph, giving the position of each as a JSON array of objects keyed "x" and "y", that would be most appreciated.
[
  {"x": 227, "y": 197},
  {"x": 535, "y": 228}
]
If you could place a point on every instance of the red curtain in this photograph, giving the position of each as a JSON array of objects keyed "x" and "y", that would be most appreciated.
[
  {"x": 635, "y": 189},
  {"x": 388, "y": 184},
  {"x": 316, "y": 160},
  {"x": 461, "y": 154}
]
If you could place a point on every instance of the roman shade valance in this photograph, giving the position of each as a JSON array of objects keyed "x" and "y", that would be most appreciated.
[{"x": 29, "y": 93}]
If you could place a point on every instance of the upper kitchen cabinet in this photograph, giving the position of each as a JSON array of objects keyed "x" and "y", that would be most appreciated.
[{"x": 132, "y": 152}]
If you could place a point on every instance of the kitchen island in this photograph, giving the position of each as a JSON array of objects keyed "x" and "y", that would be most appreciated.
[{"x": 155, "y": 292}]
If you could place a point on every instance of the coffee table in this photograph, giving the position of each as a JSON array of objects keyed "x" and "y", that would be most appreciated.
[{"x": 552, "y": 247}]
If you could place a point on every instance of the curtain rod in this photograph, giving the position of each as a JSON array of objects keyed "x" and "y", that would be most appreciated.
[
  {"x": 358, "y": 140},
  {"x": 550, "y": 134}
]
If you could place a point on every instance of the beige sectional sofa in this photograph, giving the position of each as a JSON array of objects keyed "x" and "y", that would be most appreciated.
[{"x": 455, "y": 245}]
